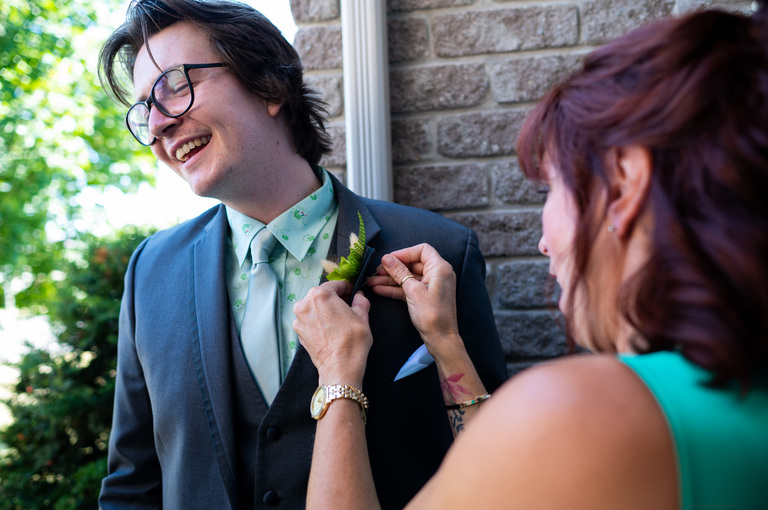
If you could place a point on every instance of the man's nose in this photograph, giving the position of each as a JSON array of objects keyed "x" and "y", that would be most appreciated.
[{"x": 159, "y": 123}]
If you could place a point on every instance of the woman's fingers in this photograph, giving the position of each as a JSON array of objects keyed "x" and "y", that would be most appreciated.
[
  {"x": 387, "y": 281},
  {"x": 340, "y": 287},
  {"x": 361, "y": 306},
  {"x": 336, "y": 336},
  {"x": 398, "y": 271}
]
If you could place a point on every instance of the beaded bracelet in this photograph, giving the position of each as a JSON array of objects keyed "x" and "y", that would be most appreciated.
[{"x": 468, "y": 403}]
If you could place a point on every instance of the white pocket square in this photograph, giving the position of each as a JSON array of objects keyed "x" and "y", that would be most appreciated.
[{"x": 419, "y": 359}]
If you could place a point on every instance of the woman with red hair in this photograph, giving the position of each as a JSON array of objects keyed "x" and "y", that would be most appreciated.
[{"x": 655, "y": 155}]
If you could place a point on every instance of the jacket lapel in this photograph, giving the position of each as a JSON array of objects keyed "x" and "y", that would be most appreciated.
[
  {"x": 348, "y": 222},
  {"x": 210, "y": 336}
]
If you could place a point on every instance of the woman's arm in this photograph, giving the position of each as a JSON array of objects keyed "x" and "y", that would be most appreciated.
[{"x": 337, "y": 338}]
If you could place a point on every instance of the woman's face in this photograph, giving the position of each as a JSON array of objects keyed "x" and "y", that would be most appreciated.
[
  {"x": 593, "y": 321},
  {"x": 558, "y": 221}
]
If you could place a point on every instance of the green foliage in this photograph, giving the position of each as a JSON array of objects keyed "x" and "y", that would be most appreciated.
[
  {"x": 62, "y": 404},
  {"x": 349, "y": 268},
  {"x": 59, "y": 132}
]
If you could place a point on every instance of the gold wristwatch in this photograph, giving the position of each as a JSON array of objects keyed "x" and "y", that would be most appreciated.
[{"x": 327, "y": 393}]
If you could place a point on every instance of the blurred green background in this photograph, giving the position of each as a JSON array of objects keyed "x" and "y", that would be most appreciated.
[
  {"x": 59, "y": 134},
  {"x": 65, "y": 155}
]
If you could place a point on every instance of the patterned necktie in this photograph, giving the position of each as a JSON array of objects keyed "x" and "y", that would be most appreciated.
[{"x": 259, "y": 333}]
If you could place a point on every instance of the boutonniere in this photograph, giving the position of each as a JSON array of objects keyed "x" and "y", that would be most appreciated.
[{"x": 349, "y": 267}]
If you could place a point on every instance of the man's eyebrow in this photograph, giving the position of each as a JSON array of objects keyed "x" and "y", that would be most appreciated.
[{"x": 137, "y": 98}]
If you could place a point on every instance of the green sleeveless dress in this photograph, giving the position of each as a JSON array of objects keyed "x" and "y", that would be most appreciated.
[{"x": 720, "y": 437}]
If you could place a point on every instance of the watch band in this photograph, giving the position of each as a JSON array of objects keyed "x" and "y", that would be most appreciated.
[{"x": 337, "y": 391}]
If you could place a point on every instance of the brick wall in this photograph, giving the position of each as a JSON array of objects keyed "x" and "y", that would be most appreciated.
[{"x": 463, "y": 74}]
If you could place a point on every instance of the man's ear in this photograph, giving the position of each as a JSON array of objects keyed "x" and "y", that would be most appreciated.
[
  {"x": 274, "y": 108},
  {"x": 633, "y": 166}
]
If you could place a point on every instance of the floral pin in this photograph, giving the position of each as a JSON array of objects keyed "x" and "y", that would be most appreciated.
[{"x": 349, "y": 267}]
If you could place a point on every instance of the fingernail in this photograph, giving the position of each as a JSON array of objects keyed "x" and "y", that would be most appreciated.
[{"x": 388, "y": 260}]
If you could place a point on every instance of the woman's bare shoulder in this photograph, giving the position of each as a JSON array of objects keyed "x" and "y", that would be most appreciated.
[{"x": 582, "y": 432}]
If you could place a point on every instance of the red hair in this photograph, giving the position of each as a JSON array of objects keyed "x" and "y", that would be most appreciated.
[{"x": 694, "y": 92}]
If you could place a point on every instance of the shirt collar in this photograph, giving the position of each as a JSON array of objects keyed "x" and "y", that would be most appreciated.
[
  {"x": 296, "y": 228},
  {"x": 242, "y": 228}
]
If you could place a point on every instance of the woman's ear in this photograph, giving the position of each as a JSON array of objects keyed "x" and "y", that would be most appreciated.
[{"x": 632, "y": 181}]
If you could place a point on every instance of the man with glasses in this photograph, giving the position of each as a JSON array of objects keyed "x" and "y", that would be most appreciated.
[{"x": 212, "y": 398}]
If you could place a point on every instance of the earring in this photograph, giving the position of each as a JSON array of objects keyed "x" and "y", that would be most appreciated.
[{"x": 612, "y": 228}]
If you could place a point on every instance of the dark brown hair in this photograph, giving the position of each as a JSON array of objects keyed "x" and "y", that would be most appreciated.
[
  {"x": 694, "y": 92},
  {"x": 251, "y": 46}
]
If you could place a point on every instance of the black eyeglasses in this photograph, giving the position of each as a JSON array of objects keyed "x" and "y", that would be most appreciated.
[{"x": 172, "y": 94}]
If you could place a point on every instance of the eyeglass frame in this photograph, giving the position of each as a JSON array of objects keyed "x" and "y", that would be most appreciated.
[{"x": 150, "y": 101}]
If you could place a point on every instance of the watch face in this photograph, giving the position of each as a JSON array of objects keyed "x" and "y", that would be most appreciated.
[{"x": 317, "y": 404}]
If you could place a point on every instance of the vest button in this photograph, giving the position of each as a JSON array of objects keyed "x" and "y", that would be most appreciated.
[
  {"x": 274, "y": 433},
  {"x": 271, "y": 498}
]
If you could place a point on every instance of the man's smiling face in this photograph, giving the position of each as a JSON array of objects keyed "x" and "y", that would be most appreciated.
[{"x": 219, "y": 146}]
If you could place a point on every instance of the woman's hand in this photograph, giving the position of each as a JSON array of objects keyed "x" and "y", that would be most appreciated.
[
  {"x": 335, "y": 334},
  {"x": 427, "y": 283}
]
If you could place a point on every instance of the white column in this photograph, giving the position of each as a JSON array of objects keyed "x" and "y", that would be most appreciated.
[{"x": 366, "y": 97}]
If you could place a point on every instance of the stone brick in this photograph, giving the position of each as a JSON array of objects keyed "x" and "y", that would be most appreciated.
[
  {"x": 338, "y": 154},
  {"x": 312, "y": 11},
  {"x": 603, "y": 21},
  {"x": 407, "y": 39},
  {"x": 411, "y": 139},
  {"x": 331, "y": 89},
  {"x": 319, "y": 47},
  {"x": 414, "y": 5},
  {"x": 504, "y": 30},
  {"x": 511, "y": 187},
  {"x": 490, "y": 278},
  {"x": 437, "y": 87},
  {"x": 531, "y": 334},
  {"x": 479, "y": 134},
  {"x": 743, "y": 6},
  {"x": 442, "y": 187},
  {"x": 527, "y": 79},
  {"x": 505, "y": 233},
  {"x": 525, "y": 284}
]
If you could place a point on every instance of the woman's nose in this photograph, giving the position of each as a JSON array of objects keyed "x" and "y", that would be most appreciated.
[{"x": 543, "y": 247}]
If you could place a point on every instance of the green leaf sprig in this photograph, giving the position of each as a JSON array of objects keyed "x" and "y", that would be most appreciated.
[{"x": 349, "y": 267}]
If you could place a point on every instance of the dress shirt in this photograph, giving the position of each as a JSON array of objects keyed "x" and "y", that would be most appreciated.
[{"x": 304, "y": 235}]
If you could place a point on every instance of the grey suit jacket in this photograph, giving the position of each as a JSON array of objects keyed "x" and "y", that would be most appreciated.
[{"x": 176, "y": 442}]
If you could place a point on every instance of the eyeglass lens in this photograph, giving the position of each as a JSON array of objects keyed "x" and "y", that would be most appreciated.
[{"x": 171, "y": 94}]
